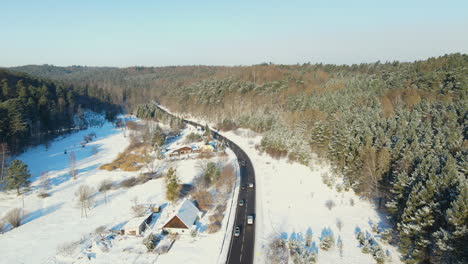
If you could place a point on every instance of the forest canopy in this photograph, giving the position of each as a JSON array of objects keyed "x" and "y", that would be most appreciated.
[{"x": 397, "y": 132}]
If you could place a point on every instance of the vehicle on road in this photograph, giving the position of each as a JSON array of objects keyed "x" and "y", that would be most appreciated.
[
  {"x": 244, "y": 186},
  {"x": 237, "y": 231},
  {"x": 250, "y": 220},
  {"x": 251, "y": 185},
  {"x": 241, "y": 202}
]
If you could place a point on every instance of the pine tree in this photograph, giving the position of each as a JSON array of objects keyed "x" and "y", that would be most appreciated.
[
  {"x": 17, "y": 176},
  {"x": 172, "y": 185}
]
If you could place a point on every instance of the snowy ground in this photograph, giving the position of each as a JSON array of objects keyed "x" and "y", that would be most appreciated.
[
  {"x": 54, "y": 221},
  {"x": 291, "y": 203}
]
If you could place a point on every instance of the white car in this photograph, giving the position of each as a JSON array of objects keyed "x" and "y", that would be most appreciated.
[
  {"x": 250, "y": 220},
  {"x": 251, "y": 185}
]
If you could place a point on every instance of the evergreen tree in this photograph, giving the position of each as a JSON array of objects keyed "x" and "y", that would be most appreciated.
[{"x": 17, "y": 176}]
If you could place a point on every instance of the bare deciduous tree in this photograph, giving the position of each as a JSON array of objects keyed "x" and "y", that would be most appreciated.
[
  {"x": 85, "y": 200},
  {"x": 330, "y": 204},
  {"x": 45, "y": 184},
  {"x": 73, "y": 170},
  {"x": 104, "y": 187},
  {"x": 339, "y": 223}
]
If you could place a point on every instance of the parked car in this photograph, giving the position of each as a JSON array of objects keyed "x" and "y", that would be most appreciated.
[
  {"x": 237, "y": 231},
  {"x": 250, "y": 220},
  {"x": 241, "y": 202}
]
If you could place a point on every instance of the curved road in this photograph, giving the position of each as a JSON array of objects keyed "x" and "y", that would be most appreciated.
[{"x": 241, "y": 248}]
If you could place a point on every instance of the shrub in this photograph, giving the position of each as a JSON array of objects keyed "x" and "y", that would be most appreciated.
[
  {"x": 218, "y": 217},
  {"x": 213, "y": 227},
  {"x": 329, "y": 180},
  {"x": 339, "y": 187},
  {"x": 220, "y": 209},
  {"x": 129, "y": 182},
  {"x": 13, "y": 217},
  {"x": 330, "y": 204},
  {"x": 67, "y": 249},
  {"x": 278, "y": 251},
  {"x": 43, "y": 195},
  {"x": 204, "y": 199},
  {"x": 340, "y": 246},
  {"x": 143, "y": 178},
  {"x": 150, "y": 242},
  {"x": 193, "y": 137},
  {"x": 327, "y": 239},
  {"x": 227, "y": 125},
  {"x": 339, "y": 223},
  {"x": 351, "y": 201},
  {"x": 139, "y": 210}
]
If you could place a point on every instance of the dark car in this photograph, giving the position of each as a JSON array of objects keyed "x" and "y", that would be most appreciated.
[
  {"x": 237, "y": 231},
  {"x": 244, "y": 186},
  {"x": 241, "y": 202}
]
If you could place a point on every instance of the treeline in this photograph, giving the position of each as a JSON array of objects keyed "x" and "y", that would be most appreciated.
[
  {"x": 397, "y": 132},
  {"x": 151, "y": 112},
  {"x": 32, "y": 109}
]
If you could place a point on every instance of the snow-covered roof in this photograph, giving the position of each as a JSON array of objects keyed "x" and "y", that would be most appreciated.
[
  {"x": 187, "y": 213},
  {"x": 135, "y": 222}
]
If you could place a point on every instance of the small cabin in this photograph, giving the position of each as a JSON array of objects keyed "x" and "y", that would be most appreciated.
[
  {"x": 136, "y": 226},
  {"x": 183, "y": 221},
  {"x": 184, "y": 150}
]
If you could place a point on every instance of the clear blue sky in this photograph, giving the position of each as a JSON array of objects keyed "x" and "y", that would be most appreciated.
[{"x": 176, "y": 32}]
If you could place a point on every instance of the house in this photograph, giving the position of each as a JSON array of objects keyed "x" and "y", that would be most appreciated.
[
  {"x": 182, "y": 222},
  {"x": 180, "y": 151},
  {"x": 184, "y": 150},
  {"x": 136, "y": 226}
]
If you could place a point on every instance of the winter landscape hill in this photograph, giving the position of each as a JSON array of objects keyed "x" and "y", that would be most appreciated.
[{"x": 237, "y": 132}]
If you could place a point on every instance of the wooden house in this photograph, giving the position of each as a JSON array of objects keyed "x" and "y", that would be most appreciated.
[{"x": 183, "y": 221}]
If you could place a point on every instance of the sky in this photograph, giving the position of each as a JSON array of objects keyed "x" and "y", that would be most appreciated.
[{"x": 125, "y": 33}]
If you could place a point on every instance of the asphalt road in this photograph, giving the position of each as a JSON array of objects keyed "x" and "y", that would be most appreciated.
[{"x": 241, "y": 248}]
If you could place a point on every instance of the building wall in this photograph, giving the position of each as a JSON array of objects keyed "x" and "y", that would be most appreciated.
[{"x": 181, "y": 231}]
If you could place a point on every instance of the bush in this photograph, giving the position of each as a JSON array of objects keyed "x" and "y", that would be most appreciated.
[
  {"x": 213, "y": 227},
  {"x": 139, "y": 210},
  {"x": 204, "y": 199},
  {"x": 351, "y": 201},
  {"x": 193, "y": 137},
  {"x": 327, "y": 240},
  {"x": 216, "y": 217},
  {"x": 330, "y": 204},
  {"x": 67, "y": 249},
  {"x": 129, "y": 182},
  {"x": 43, "y": 195},
  {"x": 329, "y": 180},
  {"x": 277, "y": 251},
  {"x": 13, "y": 217},
  {"x": 150, "y": 242},
  {"x": 220, "y": 209},
  {"x": 143, "y": 178},
  {"x": 339, "y": 223},
  {"x": 227, "y": 125}
]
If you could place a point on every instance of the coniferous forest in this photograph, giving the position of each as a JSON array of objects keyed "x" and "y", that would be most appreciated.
[
  {"x": 34, "y": 110},
  {"x": 396, "y": 131}
]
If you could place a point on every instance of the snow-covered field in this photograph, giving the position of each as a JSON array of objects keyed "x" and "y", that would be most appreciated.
[
  {"x": 291, "y": 203},
  {"x": 55, "y": 221}
]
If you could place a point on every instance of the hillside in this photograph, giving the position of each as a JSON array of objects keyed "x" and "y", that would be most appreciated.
[
  {"x": 34, "y": 110},
  {"x": 395, "y": 132}
]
